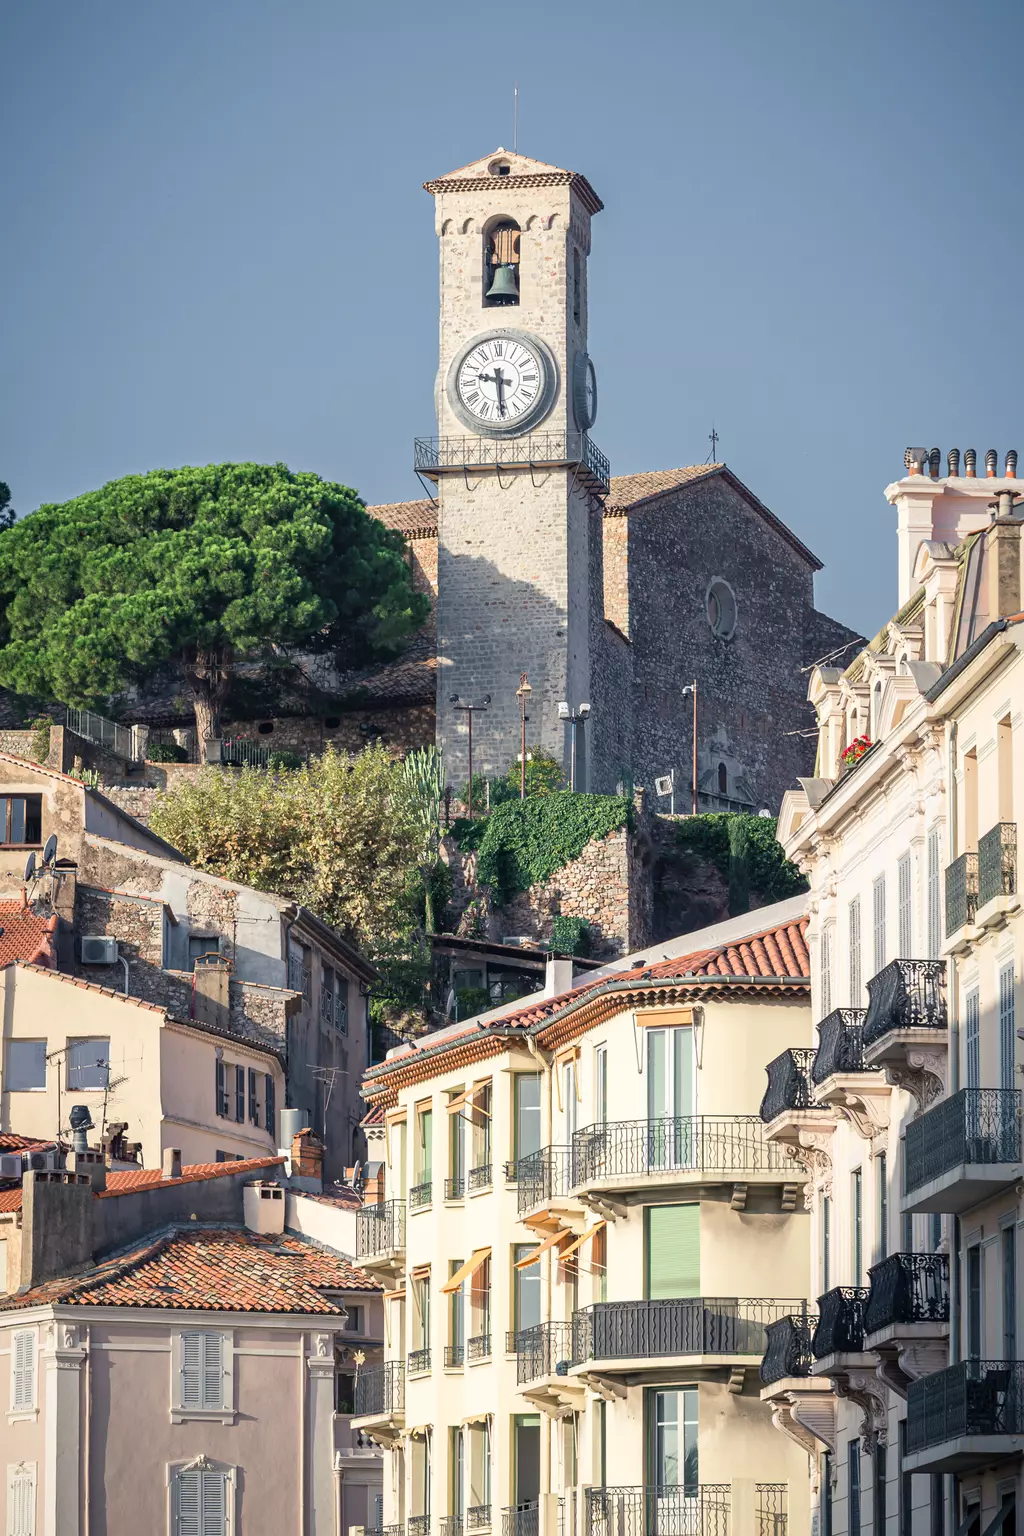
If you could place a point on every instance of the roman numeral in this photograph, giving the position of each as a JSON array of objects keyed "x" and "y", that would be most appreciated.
[{"x": 499, "y": 349}]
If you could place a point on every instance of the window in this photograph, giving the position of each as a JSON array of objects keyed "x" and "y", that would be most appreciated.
[
  {"x": 88, "y": 1064},
  {"x": 501, "y": 264},
  {"x": 456, "y": 1318},
  {"x": 974, "y": 1302},
  {"x": 254, "y": 1101},
  {"x": 526, "y": 1122},
  {"x": 577, "y": 285},
  {"x": 424, "y": 1145},
  {"x": 269, "y": 1105},
  {"x": 21, "y": 1499},
  {"x": 934, "y": 895},
  {"x": 570, "y": 1106},
  {"x": 672, "y": 1438},
  {"x": 972, "y": 1040},
  {"x": 882, "y": 1207},
  {"x": 345, "y": 1391},
  {"x": 856, "y": 981},
  {"x": 26, "y": 1066},
  {"x": 720, "y": 603},
  {"x": 200, "y": 944},
  {"x": 904, "y": 1490},
  {"x": 24, "y": 1346},
  {"x": 204, "y": 1375},
  {"x": 599, "y": 1263},
  {"x": 1009, "y": 1239},
  {"x": 334, "y": 998},
  {"x": 240, "y": 1094},
  {"x": 672, "y": 1242},
  {"x": 723, "y": 779},
  {"x": 221, "y": 1090},
  {"x": 853, "y": 1475},
  {"x": 857, "y": 1227},
  {"x": 21, "y": 820},
  {"x": 202, "y": 1499},
  {"x": 525, "y": 1289},
  {"x": 601, "y": 1085},
  {"x": 878, "y": 921},
  {"x": 826, "y": 969},
  {"x": 905, "y": 895},
  {"x": 935, "y": 1231},
  {"x": 879, "y": 1491},
  {"x": 826, "y": 1243},
  {"x": 1006, "y": 1027},
  {"x": 421, "y": 1311}
]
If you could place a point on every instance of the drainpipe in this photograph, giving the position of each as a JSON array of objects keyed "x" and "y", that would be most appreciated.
[
  {"x": 546, "y": 1059},
  {"x": 954, "y": 1069}
]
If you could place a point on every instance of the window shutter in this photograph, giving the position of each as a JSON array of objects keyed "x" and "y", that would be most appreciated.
[
  {"x": 21, "y": 1499},
  {"x": 240, "y": 1094},
  {"x": 270, "y": 1108},
  {"x": 673, "y": 1251},
  {"x": 24, "y": 1385},
  {"x": 189, "y": 1521},
  {"x": 221, "y": 1088},
  {"x": 214, "y": 1507},
  {"x": 213, "y": 1370},
  {"x": 254, "y": 1108},
  {"x": 192, "y": 1370}
]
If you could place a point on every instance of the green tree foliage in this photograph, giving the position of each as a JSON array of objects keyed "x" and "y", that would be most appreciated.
[
  {"x": 424, "y": 777},
  {"x": 525, "y": 841},
  {"x": 200, "y": 568},
  {"x": 8, "y": 515},
  {"x": 744, "y": 849},
  {"x": 570, "y": 935}
]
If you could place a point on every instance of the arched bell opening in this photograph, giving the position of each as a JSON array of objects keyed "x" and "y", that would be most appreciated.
[{"x": 501, "y": 264}]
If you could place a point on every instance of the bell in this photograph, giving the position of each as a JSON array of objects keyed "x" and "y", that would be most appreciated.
[{"x": 504, "y": 289}]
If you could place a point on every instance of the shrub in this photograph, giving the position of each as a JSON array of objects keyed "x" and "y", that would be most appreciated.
[
  {"x": 166, "y": 752},
  {"x": 570, "y": 935},
  {"x": 40, "y": 728},
  {"x": 729, "y": 840},
  {"x": 282, "y": 758}
]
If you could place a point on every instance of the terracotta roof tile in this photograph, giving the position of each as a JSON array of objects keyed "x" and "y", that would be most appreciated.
[
  {"x": 10, "y": 1199},
  {"x": 413, "y": 518},
  {"x": 27, "y": 935},
  {"x": 627, "y": 490},
  {"x": 125, "y": 1181},
  {"x": 9, "y": 1142}
]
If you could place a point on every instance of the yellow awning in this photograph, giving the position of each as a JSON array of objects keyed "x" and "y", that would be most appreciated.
[
  {"x": 421, "y": 1272},
  {"x": 668, "y": 1018},
  {"x": 600, "y": 1226},
  {"x": 464, "y": 1271},
  {"x": 467, "y": 1098},
  {"x": 394, "y": 1295},
  {"x": 549, "y": 1242}
]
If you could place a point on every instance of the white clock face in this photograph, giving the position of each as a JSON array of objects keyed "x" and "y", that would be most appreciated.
[{"x": 500, "y": 381}]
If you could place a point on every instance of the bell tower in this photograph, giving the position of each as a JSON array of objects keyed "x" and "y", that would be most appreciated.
[{"x": 520, "y": 485}]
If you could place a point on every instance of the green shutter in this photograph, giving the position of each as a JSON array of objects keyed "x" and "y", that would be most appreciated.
[{"x": 673, "y": 1251}]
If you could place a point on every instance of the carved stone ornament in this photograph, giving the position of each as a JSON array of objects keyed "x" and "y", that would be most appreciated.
[
  {"x": 323, "y": 1343},
  {"x": 864, "y": 1105},
  {"x": 782, "y": 1418},
  {"x": 68, "y": 1335},
  {"x": 923, "y": 1075},
  {"x": 810, "y": 1150},
  {"x": 864, "y": 1389}
]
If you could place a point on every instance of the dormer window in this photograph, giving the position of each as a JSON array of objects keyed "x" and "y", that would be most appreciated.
[{"x": 501, "y": 264}]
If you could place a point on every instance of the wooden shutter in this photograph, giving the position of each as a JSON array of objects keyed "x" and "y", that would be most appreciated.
[
  {"x": 270, "y": 1108},
  {"x": 192, "y": 1370},
  {"x": 201, "y": 1502},
  {"x": 213, "y": 1370},
  {"x": 21, "y": 1499},
  {"x": 240, "y": 1094},
  {"x": 189, "y": 1512},
  {"x": 23, "y": 1386},
  {"x": 214, "y": 1506},
  {"x": 673, "y": 1251}
]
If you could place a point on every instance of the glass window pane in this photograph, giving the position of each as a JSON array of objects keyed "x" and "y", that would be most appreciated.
[
  {"x": 17, "y": 819},
  {"x": 26, "y": 1065},
  {"x": 88, "y": 1063},
  {"x": 33, "y": 818},
  {"x": 527, "y": 1117}
]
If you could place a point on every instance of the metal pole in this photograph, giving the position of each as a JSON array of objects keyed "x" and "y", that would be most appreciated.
[
  {"x": 695, "y": 746},
  {"x": 522, "y": 765},
  {"x": 469, "y": 717},
  {"x": 572, "y": 753}
]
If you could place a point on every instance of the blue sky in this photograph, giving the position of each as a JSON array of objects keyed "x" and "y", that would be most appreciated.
[{"x": 215, "y": 245}]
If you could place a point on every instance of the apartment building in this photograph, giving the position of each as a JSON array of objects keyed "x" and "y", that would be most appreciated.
[
  {"x": 903, "y": 1382},
  {"x": 585, "y": 1236}
]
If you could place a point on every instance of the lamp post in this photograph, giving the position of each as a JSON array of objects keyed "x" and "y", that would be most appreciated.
[
  {"x": 469, "y": 710},
  {"x": 522, "y": 694},
  {"x": 574, "y": 717},
  {"x": 692, "y": 688}
]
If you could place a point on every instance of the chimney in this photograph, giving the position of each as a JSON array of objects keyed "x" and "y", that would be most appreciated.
[
  {"x": 953, "y": 462},
  {"x": 211, "y": 991},
  {"x": 91, "y": 1164},
  {"x": 308, "y": 1158},
  {"x": 557, "y": 975},
  {"x": 172, "y": 1163},
  {"x": 56, "y": 1226},
  {"x": 934, "y": 461},
  {"x": 991, "y": 463},
  {"x": 1011, "y": 464},
  {"x": 970, "y": 463},
  {"x": 263, "y": 1207},
  {"x": 372, "y": 1182}
]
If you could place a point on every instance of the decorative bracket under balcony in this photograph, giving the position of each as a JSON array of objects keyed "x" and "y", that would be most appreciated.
[
  {"x": 861, "y": 1098},
  {"x": 904, "y": 1359},
  {"x": 921, "y": 1073},
  {"x": 607, "y": 1388},
  {"x": 806, "y": 1412},
  {"x": 862, "y": 1386},
  {"x": 810, "y": 1148}
]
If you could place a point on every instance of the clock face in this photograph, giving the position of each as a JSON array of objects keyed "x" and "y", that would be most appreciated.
[
  {"x": 584, "y": 391},
  {"x": 500, "y": 381}
]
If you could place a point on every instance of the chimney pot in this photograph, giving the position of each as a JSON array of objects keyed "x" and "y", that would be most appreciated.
[
  {"x": 934, "y": 460},
  {"x": 991, "y": 463},
  {"x": 970, "y": 463},
  {"x": 1011, "y": 464},
  {"x": 307, "y": 1156},
  {"x": 954, "y": 461},
  {"x": 172, "y": 1163}
]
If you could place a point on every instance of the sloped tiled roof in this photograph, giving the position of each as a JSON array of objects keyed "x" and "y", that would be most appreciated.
[
  {"x": 627, "y": 490},
  {"x": 416, "y": 519},
  {"x": 129, "y": 1181},
  {"x": 223, "y": 1269},
  {"x": 10, "y": 1142},
  {"x": 27, "y": 935}
]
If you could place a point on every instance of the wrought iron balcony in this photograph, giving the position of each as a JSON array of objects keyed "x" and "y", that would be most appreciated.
[
  {"x": 543, "y": 1176},
  {"x": 537, "y": 450},
  {"x": 907, "y": 994},
  {"x": 380, "y": 1388},
  {"x": 788, "y": 1348},
  {"x": 789, "y": 1084},
  {"x": 703, "y": 1325},
  {"x": 421, "y": 1195},
  {"x": 545, "y": 1350},
  {"x": 419, "y": 1362},
  {"x": 908, "y": 1288},
  {"x": 452, "y": 1525},
  {"x": 772, "y": 1508},
  {"x": 454, "y": 1354},
  {"x": 840, "y": 1044},
  {"x": 478, "y": 1347},
  {"x": 840, "y": 1329},
  {"x": 479, "y": 1177},
  {"x": 384, "y": 1530},
  {"x": 419, "y": 1525},
  {"x": 997, "y": 862},
  {"x": 975, "y": 1134},
  {"x": 478, "y": 1517},
  {"x": 733, "y": 1146},
  {"x": 380, "y": 1228},
  {"x": 961, "y": 892},
  {"x": 697, "y": 1509},
  {"x": 454, "y": 1189},
  {"x": 521, "y": 1519},
  {"x": 973, "y": 1398}
]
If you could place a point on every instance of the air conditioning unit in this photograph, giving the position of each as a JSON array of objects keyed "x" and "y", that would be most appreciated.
[
  {"x": 10, "y": 1165},
  {"x": 43, "y": 1162},
  {"x": 98, "y": 951}
]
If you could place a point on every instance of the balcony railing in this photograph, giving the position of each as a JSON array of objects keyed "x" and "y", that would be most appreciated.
[
  {"x": 637, "y": 1330},
  {"x": 384, "y": 1530},
  {"x": 545, "y": 1350},
  {"x": 454, "y": 1189},
  {"x": 840, "y": 1044},
  {"x": 961, "y": 892},
  {"x": 419, "y": 1362},
  {"x": 976, "y": 1397},
  {"x": 789, "y": 1084},
  {"x": 420, "y": 1195},
  {"x": 520, "y": 1520},
  {"x": 478, "y": 1347},
  {"x": 907, "y": 994},
  {"x": 478, "y": 1517},
  {"x": 772, "y": 1508},
  {"x": 974, "y": 1126},
  {"x": 419, "y": 1525},
  {"x": 542, "y": 1175},
  {"x": 454, "y": 1354},
  {"x": 788, "y": 1348},
  {"x": 731, "y": 1145},
  {"x": 480, "y": 1177},
  {"x": 997, "y": 862},
  {"x": 701, "y": 1509},
  {"x": 908, "y": 1288},
  {"x": 380, "y": 1388},
  {"x": 436, "y": 453},
  {"x": 380, "y": 1228},
  {"x": 840, "y": 1329},
  {"x": 452, "y": 1525}
]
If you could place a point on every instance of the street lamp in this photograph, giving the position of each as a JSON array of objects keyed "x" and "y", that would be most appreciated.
[
  {"x": 522, "y": 694},
  {"x": 469, "y": 710},
  {"x": 692, "y": 688},
  {"x": 574, "y": 717}
]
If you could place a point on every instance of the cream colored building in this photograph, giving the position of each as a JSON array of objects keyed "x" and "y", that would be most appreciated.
[
  {"x": 584, "y": 1238},
  {"x": 908, "y": 1114}
]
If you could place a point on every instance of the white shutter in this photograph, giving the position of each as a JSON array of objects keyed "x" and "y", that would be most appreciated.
[
  {"x": 189, "y": 1500},
  {"x": 23, "y": 1378},
  {"x": 192, "y": 1370},
  {"x": 213, "y": 1370},
  {"x": 21, "y": 1499},
  {"x": 215, "y": 1505}
]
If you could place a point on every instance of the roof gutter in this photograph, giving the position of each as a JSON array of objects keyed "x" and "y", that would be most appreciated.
[{"x": 962, "y": 662}]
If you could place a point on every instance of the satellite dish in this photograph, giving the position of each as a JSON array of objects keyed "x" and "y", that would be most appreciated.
[
  {"x": 50, "y": 851},
  {"x": 30, "y": 867},
  {"x": 356, "y": 1173}
]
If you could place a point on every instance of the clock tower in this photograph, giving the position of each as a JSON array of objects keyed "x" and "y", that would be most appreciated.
[{"x": 520, "y": 485}]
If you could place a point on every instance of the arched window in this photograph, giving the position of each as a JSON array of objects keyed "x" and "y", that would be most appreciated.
[
  {"x": 720, "y": 601},
  {"x": 501, "y": 264},
  {"x": 723, "y": 779}
]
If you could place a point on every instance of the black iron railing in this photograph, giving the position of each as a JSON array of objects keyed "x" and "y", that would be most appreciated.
[
  {"x": 380, "y": 1388},
  {"x": 454, "y": 1354},
  {"x": 454, "y": 1189},
  {"x": 908, "y": 1288},
  {"x": 478, "y": 1517},
  {"x": 840, "y": 1044},
  {"x": 420, "y": 1195},
  {"x": 542, "y": 1175},
  {"x": 840, "y": 1329},
  {"x": 452, "y": 1525},
  {"x": 545, "y": 1350},
  {"x": 419, "y": 1525},
  {"x": 906, "y": 994},
  {"x": 511, "y": 1336},
  {"x": 705, "y": 1325},
  {"x": 727, "y": 1144},
  {"x": 975, "y": 1125},
  {"x": 384, "y": 1530},
  {"x": 700, "y": 1509},
  {"x": 419, "y": 1361},
  {"x": 997, "y": 862},
  {"x": 789, "y": 1084},
  {"x": 771, "y": 1508},
  {"x": 975, "y": 1397},
  {"x": 961, "y": 892},
  {"x": 436, "y": 453},
  {"x": 788, "y": 1348},
  {"x": 480, "y": 1177},
  {"x": 380, "y": 1228},
  {"x": 478, "y": 1347},
  {"x": 520, "y": 1520}
]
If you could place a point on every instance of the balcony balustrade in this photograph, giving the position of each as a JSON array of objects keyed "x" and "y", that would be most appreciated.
[
  {"x": 545, "y": 1350},
  {"x": 433, "y": 455},
  {"x": 642, "y": 1330},
  {"x": 454, "y": 1355},
  {"x": 771, "y": 1511},
  {"x": 907, "y": 1288},
  {"x": 720, "y": 1146},
  {"x": 478, "y": 1517},
  {"x": 963, "y": 1149},
  {"x": 997, "y": 863},
  {"x": 419, "y": 1525},
  {"x": 384, "y": 1530},
  {"x": 479, "y": 1177},
  {"x": 840, "y": 1329},
  {"x": 380, "y": 1389},
  {"x": 380, "y": 1229},
  {"x": 698, "y": 1509},
  {"x": 970, "y": 1414},
  {"x": 452, "y": 1525},
  {"x": 906, "y": 994},
  {"x": 788, "y": 1348},
  {"x": 840, "y": 1044},
  {"x": 419, "y": 1362},
  {"x": 789, "y": 1085},
  {"x": 961, "y": 892},
  {"x": 542, "y": 1177},
  {"x": 454, "y": 1189},
  {"x": 421, "y": 1195},
  {"x": 478, "y": 1347},
  {"x": 521, "y": 1519}
]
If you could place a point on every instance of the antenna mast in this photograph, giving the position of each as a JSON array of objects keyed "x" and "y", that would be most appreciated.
[{"x": 515, "y": 116}]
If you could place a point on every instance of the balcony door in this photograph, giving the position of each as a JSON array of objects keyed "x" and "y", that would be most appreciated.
[
  {"x": 673, "y": 1474},
  {"x": 670, "y": 1098},
  {"x": 526, "y": 1458}
]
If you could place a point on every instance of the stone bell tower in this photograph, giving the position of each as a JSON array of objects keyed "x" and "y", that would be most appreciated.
[{"x": 520, "y": 485}]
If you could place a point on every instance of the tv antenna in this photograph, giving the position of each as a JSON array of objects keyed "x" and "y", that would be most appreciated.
[
  {"x": 515, "y": 117},
  {"x": 328, "y": 1076}
]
